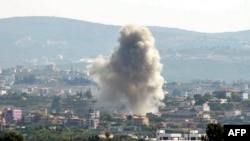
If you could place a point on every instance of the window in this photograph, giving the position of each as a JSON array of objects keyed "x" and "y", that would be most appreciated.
[
  {"x": 193, "y": 138},
  {"x": 165, "y": 138}
]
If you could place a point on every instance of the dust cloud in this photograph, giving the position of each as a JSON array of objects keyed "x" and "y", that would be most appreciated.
[{"x": 132, "y": 74}]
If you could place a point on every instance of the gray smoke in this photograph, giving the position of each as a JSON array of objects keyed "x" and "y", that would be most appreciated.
[{"x": 132, "y": 74}]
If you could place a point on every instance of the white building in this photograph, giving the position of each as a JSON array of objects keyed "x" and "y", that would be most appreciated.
[
  {"x": 192, "y": 135},
  {"x": 93, "y": 119},
  {"x": 94, "y": 114},
  {"x": 162, "y": 136},
  {"x": 3, "y": 92},
  {"x": 244, "y": 96},
  {"x": 204, "y": 107}
]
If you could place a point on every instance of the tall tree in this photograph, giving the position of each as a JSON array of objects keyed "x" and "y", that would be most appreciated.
[{"x": 215, "y": 132}]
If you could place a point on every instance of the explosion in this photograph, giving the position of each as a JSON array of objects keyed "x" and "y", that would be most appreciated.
[{"x": 132, "y": 74}]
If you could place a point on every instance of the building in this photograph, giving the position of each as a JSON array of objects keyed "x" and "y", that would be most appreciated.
[
  {"x": 204, "y": 107},
  {"x": 12, "y": 115},
  {"x": 43, "y": 91},
  {"x": 3, "y": 92},
  {"x": 94, "y": 114},
  {"x": 140, "y": 120},
  {"x": 244, "y": 96},
  {"x": 153, "y": 116},
  {"x": 193, "y": 135},
  {"x": 162, "y": 136},
  {"x": 93, "y": 119},
  {"x": 8, "y": 115},
  {"x": 17, "y": 114},
  {"x": 93, "y": 123}
]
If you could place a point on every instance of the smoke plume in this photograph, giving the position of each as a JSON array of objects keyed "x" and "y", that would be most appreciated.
[{"x": 132, "y": 74}]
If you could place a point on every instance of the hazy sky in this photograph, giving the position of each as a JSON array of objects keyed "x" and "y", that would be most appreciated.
[{"x": 198, "y": 15}]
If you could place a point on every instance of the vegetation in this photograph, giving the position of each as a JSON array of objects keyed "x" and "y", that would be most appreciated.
[
  {"x": 199, "y": 99},
  {"x": 215, "y": 132},
  {"x": 25, "y": 102},
  {"x": 11, "y": 136}
]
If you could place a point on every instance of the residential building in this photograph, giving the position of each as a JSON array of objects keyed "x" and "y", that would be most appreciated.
[
  {"x": 93, "y": 119},
  {"x": 204, "y": 107},
  {"x": 162, "y": 136},
  {"x": 138, "y": 120},
  {"x": 8, "y": 116},
  {"x": 17, "y": 114},
  {"x": 152, "y": 116},
  {"x": 193, "y": 135},
  {"x": 3, "y": 92},
  {"x": 244, "y": 96},
  {"x": 12, "y": 114}
]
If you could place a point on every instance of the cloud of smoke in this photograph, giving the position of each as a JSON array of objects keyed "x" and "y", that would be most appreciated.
[{"x": 132, "y": 74}]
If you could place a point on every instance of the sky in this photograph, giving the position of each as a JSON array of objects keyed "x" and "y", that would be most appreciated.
[{"x": 197, "y": 15}]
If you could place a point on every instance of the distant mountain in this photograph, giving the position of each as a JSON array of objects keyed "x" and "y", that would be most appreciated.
[{"x": 186, "y": 55}]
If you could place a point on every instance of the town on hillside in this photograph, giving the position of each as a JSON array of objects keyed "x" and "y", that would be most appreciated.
[{"x": 50, "y": 103}]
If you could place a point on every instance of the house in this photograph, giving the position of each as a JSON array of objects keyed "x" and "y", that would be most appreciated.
[
  {"x": 94, "y": 113},
  {"x": 162, "y": 136},
  {"x": 12, "y": 114},
  {"x": 140, "y": 120},
  {"x": 224, "y": 93},
  {"x": 193, "y": 135},
  {"x": 76, "y": 122},
  {"x": 3, "y": 92},
  {"x": 29, "y": 90},
  {"x": 228, "y": 94},
  {"x": 43, "y": 91},
  {"x": 93, "y": 119},
  {"x": 244, "y": 96},
  {"x": 28, "y": 118},
  {"x": 93, "y": 123},
  {"x": 17, "y": 114},
  {"x": 204, "y": 107},
  {"x": 203, "y": 115},
  {"x": 152, "y": 116}
]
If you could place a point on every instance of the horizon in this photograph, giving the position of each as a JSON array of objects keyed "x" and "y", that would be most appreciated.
[
  {"x": 194, "y": 15},
  {"x": 177, "y": 28}
]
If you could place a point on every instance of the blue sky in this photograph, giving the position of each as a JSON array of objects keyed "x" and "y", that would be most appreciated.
[{"x": 197, "y": 15}]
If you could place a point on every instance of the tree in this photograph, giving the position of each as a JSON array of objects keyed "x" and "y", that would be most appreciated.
[
  {"x": 199, "y": 100},
  {"x": 207, "y": 96},
  {"x": 106, "y": 117},
  {"x": 235, "y": 97},
  {"x": 215, "y": 132},
  {"x": 11, "y": 136}
]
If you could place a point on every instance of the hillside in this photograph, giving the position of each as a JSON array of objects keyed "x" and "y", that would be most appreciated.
[{"x": 186, "y": 55}]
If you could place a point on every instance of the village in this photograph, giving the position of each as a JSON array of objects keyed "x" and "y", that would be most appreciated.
[{"x": 56, "y": 99}]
